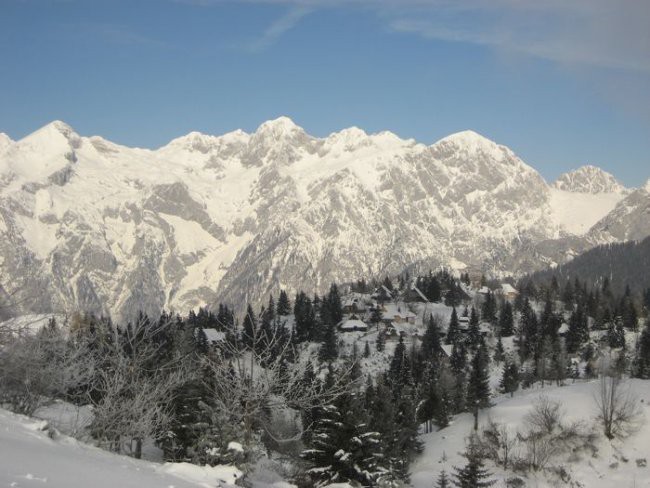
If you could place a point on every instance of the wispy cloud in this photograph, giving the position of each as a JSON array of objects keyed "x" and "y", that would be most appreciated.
[
  {"x": 279, "y": 28},
  {"x": 599, "y": 33}
]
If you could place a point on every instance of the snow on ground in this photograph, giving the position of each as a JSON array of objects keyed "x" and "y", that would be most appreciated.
[
  {"x": 30, "y": 458},
  {"x": 30, "y": 322},
  {"x": 578, "y": 212},
  {"x": 614, "y": 464}
]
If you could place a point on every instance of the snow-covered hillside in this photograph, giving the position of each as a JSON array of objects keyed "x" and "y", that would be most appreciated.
[
  {"x": 620, "y": 463},
  {"x": 29, "y": 457},
  {"x": 92, "y": 225}
]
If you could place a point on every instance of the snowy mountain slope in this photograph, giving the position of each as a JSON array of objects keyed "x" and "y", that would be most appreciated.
[
  {"x": 628, "y": 221},
  {"x": 577, "y": 212},
  {"x": 90, "y": 224},
  {"x": 29, "y": 457}
]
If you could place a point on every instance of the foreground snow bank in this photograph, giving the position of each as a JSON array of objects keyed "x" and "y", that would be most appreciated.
[
  {"x": 614, "y": 464},
  {"x": 29, "y": 457}
]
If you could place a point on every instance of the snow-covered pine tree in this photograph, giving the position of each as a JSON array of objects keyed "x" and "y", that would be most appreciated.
[
  {"x": 616, "y": 333},
  {"x": 344, "y": 448},
  {"x": 473, "y": 474}
]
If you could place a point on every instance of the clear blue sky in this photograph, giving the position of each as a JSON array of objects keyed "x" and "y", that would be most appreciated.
[{"x": 562, "y": 86}]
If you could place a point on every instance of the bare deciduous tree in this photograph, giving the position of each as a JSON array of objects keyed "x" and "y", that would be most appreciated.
[
  {"x": 248, "y": 382},
  {"x": 618, "y": 408},
  {"x": 134, "y": 386}
]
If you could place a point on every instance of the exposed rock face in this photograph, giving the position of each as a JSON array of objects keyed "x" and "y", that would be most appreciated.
[{"x": 89, "y": 224}]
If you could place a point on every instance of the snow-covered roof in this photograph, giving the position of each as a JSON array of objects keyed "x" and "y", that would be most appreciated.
[
  {"x": 353, "y": 324},
  {"x": 447, "y": 349},
  {"x": 507, "y": 288},
  {"x": 564, "y": 328},
  {"x": 422, "y": 295},
  {"x": 213, "y": 335},
  {"x": 484, "y": 290}
]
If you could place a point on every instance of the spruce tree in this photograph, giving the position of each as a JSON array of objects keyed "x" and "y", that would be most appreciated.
[
  {"x": 284, "y": 306},
  {"x": 506, "y": 320},
  {"x": 431, "y": 345},
  {"x": 474, "y": 332},
  {"x": 249, "y": 334},
  {"x": 344, "y": 448},
  {"x": 329, "y": 349},
  {"x": 380, "y": 344},
  {"x": 453, "y": 331},
  {"x": 473, "y": 474},
  {"x": 489, "y": 308},
  {"x": 366, "y": 350},
  {"x": 499, "y": 352},
  {"x": 578, "y": 333},
  {"x": 305, "y": 318},
  {"x": 478, "y": 387},
  {"x": 616, "y": 334},
  {"x": 510, "y": 380},
  {"x": 376, "y": 317},
  {"x": 443, "y": 480}
]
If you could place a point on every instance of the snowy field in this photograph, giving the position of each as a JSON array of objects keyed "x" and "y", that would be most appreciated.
[
  {"x": 30, "y": 458},
  {"x": 614, "y": 464}
]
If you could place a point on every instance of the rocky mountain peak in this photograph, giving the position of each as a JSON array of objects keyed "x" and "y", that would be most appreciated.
[{"x": 588, "y": 179}]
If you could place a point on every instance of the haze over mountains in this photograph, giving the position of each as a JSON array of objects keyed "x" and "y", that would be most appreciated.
[{"x": 92, "y": 225}]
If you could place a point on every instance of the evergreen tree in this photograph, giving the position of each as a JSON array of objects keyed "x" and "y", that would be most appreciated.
[
  {"x": 453, "y": 331},
  {"x": 376, "y": 317},
  {"x": 510, "y": 380},
  {"x": 499, "y": 352},
  {"x": 478, "y": 386},
  {"x": 616, "y": 334},
  {"x": 474, "y": 332},
  {"x": 641, "y": 367},
  {"x": 443, "y": 480},
  {"x": 506, "y": 320},
  {"x": 380, "y": 343},
  {"x": 331, "y": 311},
  {"x": 399, "y": 372},
  {"x": 431, "y": 345},
  {"x": 284, "y": 306},
  {"x": 578, "y": 333},
  {"x": 473, "y": 474},
  {"x": 405, "y": 444},
  {"x": 366, "y": 350},
  {"x": 305, "y": 318},
  {"x": 329, "y": 349},
  {"x": 344, "y": 448},
  {"x": 489, "y": 308},
  {"x": 249, "y": 334}
]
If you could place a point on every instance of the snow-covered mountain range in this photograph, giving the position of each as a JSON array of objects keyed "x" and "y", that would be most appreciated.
[{"x": 92, "y": 225}]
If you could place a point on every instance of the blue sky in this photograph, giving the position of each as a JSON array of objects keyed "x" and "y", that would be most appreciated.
[{"x": 562, "y": 83}]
